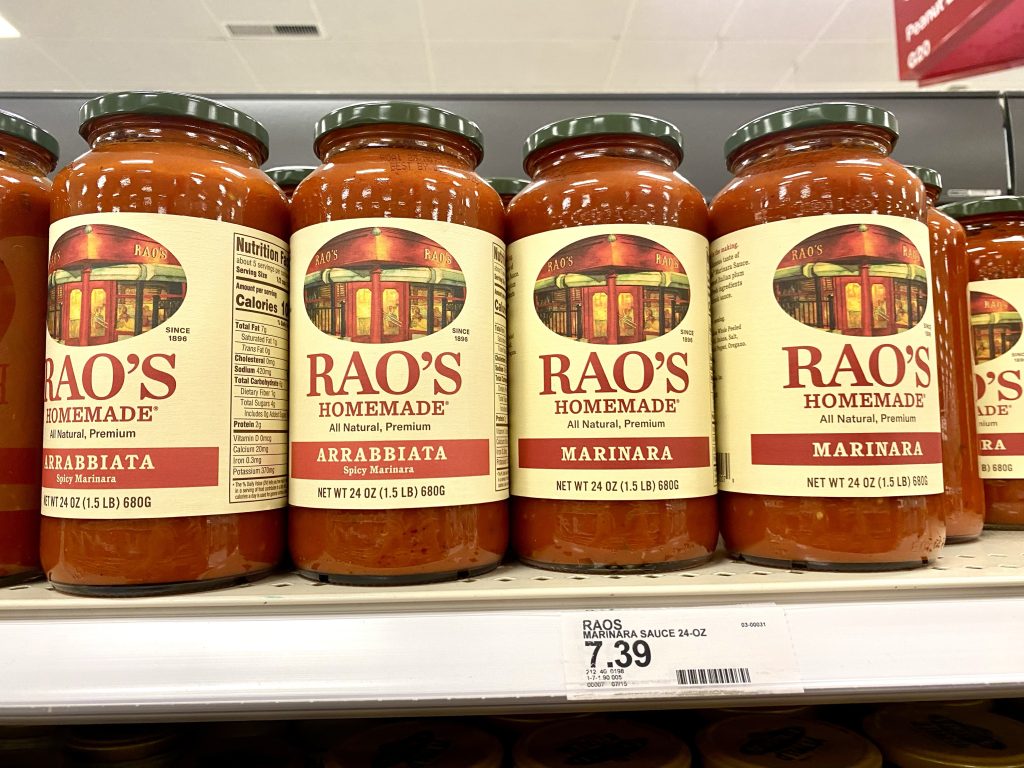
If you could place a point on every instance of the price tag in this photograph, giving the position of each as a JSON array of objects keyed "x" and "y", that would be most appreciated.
[{"x": 668, "y": 652}]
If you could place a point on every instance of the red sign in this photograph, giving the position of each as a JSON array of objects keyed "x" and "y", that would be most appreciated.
[
  {"x": 1001, "y": 444},
  {"x": 390, "y": 460},
  {"x": 119, "y": 468},
  {"x": 944, "y": 39}
]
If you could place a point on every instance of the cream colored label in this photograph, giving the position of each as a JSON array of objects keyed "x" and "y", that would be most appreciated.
[
  {"x": 399, "y": 381},
  {"x": 998, "y": 375},
  {"x": 166, "y": 368},
  {"x": 610, "y": 364},
  {"x": 22, "y": 302},
  {"x": 825, "y": 363}
]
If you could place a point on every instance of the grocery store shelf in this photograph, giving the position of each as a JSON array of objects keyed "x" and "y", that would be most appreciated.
[{"x": 289, "y": 647}]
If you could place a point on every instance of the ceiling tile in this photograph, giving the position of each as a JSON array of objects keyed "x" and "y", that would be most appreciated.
[
  {"x": 112, "y": 20},
  {"x": 570, "y": 66},
  {"x": 262, "y": 11},
  {"x": 324, "y": 66},
  {"x": 471, "y": 20},
  {"x": 835, "y": 63},
  {"x": 863, "y": 20},
  {"x": 662, "y": 68},
  {"x": 777, "y": 20},
  {"x": 675, "y": 20},
  {"x": 380, "y": 20},
  {"x": 27, "y": 68},
  {"x": 210, "y": 66},
  {"x": 736, "y": 66}
]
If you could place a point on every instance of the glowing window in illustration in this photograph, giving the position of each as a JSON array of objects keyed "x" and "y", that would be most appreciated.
[
  {"x": 391, "y": 310},
  {"x": 599, "y": 308},
  {"x": 627, "y": 317},
  {"x": 417, "y": 309},
  {"x": 879, "y": 306},
  {"x": 853, "y": 305},
  {"x": 74, "y": 313},
  {"x": 363, "y": 312}
]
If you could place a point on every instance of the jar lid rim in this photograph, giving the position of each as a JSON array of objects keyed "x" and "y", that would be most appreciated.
[
  {"x": 22, "y": 128},
  {"x": 173, "y": 104},
  {"x": 984, "y": 205},
  {"x": 507, "y": 185},
  {"x": 605, "y": 124},
  {"x": 400, "y": 113},
  {"x": 810, "y": 116},
  {"x": 287, "y": 175},
  {"x": 928, "y": 176}
]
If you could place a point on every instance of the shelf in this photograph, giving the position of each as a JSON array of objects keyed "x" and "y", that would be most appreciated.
[{"x": 287, "y": 647}]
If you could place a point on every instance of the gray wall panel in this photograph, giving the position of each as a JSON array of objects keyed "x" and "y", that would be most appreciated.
[
  {"x": 960, "y": 134},
  {"x": 1015, "y": 124}
]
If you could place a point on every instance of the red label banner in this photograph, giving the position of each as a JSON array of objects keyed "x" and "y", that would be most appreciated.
[
  {"x": 615, "y": 453},
  {"x": 847, "y": 449},
  {"x": 1001, "y": 444},
  {"x": 943, "y": 39},
  {"x": 84, "y": 468},
  {"x": 390, "y": 460}
]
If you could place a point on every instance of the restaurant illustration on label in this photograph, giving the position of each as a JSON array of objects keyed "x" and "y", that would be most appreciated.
[
  {"x": 612, "y": 289},
  {"x": 379, "y": 285},
  {"x": 854, "y": 280},
  {"x": 995, "y": 326},
  {"x": 109, "y": 283}
]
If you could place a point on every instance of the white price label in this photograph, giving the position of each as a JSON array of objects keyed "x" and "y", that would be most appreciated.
[{"x": 666, "y": 652}]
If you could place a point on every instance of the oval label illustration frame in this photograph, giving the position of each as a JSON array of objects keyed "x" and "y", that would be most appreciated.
[
  {"x": 612, "y": 289},
  {"x": 995, "y": 326},
  {"x": 854, "y": 280},
  {"x": 108, "y": 284}
]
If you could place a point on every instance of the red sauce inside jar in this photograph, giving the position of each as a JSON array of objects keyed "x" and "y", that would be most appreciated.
[
  {"x": 609, "y": 178},
  {"x": 402, "y": 164},
  {"x": 172, "y": 163},
  {"x": 27, "y": 154}
]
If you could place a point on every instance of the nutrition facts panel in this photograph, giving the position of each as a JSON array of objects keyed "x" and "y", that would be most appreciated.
[
  {"x": 259, "y": 359},
  {"x": 501, "y": 447}
]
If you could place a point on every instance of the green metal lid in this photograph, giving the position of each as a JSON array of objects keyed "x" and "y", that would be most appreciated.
[
  {"x": 985, "y": 206},
  {"x": 20, "y": 128},
  {"x": 928, "y": 176},
  {"x": 173, "y": 105},
  {"x": 612, "y": 124},
  {"x": 402, "y": 113},
  {"x": 507, "y": 185},
  {"x": 810, "y": 116},
  {"x": 289, "y": 175}
]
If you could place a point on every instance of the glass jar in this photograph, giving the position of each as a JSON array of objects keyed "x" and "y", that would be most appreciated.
[
  {"x": 830, "y": 456},
  {"x": 27, "y": 154},
  {"x": 436, "y": 742},
  {"x": 771, "y": 741},
  {"x": 964, "y": 497},
  {"x": 130, "y": 746},
  {"x": 398, "y": 433},
  {"x": 600, "y": 741},
  {"x": 508, "y": 187},
  {"x": 995, "y": 258},
  {"x": 287, "y": 177},
  {"x": 609, "y": 353},
  {"x": 166, "y": 371},
  {"x": 927, "y": 736}
]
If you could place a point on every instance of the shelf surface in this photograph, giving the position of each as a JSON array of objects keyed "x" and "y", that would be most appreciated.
[{"x": 289, "y": 647}]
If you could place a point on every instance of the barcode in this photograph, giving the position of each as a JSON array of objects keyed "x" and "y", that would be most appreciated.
[
  {"x": 724, "y": 465},
  {"x": 721, "y": 676}
]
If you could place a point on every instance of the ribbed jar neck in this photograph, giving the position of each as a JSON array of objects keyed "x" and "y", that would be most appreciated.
[
  {"x": 130, "y": 129},
  {"x": 25, "y": 155},
  {"x": 455, "y": 150},
  {"x": 557, "y": 157},
  {"x": 1005, "y": 224},
  {"x": 800, "y": 145}
]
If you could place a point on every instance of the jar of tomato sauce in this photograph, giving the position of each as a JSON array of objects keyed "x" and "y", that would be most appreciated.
[
  {"x": 928, "y": 736},
  {"x": 508, "y": 187},
  {"x": 772, "y": 741},
  {"x": 827, "y": 385},
  {"x": 27, "y": 154},
  {"x": 964, "y": 497},
  {"x": 287, "y": 177},
  {"x": 441, "y": 742},
  {"x": 995, "y": 258},
  {"x": 399, "y": 442},
  {"x": 164, "y": 466},
  {"x": 609, "y": 355},
  {"x": 600, "y": 741}
]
